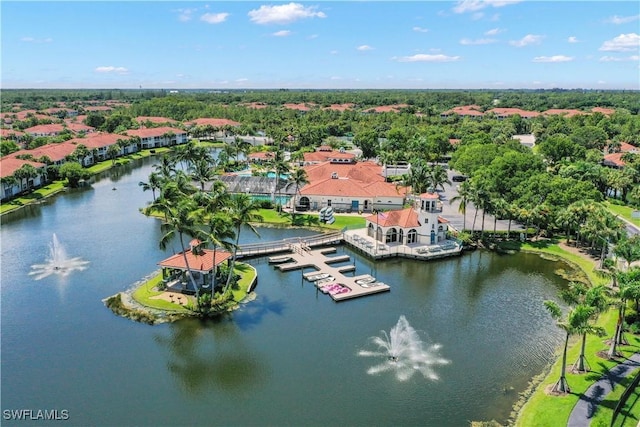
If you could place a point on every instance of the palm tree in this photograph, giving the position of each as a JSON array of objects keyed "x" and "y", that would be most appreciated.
[
  {"x": 219, "y": 232},
  {"x": 154, "y": 184},
  {"x": 626, "y": 290},
  {"x": 628, "y": 249},
  {"x": 242, "y": 211},
  {"x": 596, "y": 298},
  {"x": 437, "y": 176},
  {"x": 464, "y": 196},
  {"x": 180, "y": 220},
  {"x": 112, "y": 153},
  {"x": 202, "y": 172},
  {"x": 300, "y": 178},
  {"x": 574, "y": 322}
]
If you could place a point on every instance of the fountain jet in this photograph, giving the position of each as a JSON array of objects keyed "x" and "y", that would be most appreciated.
[
  {"x": 404, "y": 353},
  {"x": 58, "y": 262}
]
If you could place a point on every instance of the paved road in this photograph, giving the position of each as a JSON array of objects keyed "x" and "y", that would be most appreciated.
[
  {"x": 451, "y": 212},
  {"x": 587, "y": 406}
]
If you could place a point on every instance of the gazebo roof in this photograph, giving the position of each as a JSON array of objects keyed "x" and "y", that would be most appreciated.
[{"x": 202, "y": 263}]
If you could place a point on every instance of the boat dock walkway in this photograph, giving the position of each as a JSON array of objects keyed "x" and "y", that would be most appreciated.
[{"x": 346, "y": 287}]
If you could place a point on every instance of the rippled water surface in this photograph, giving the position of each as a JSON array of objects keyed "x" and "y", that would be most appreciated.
[{"x": 291, "y": 357}]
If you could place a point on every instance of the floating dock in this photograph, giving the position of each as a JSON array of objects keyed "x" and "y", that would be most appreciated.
[{"x": 304, "y": 257}]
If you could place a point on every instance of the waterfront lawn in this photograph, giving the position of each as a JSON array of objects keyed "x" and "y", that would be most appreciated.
[
  {"x": 542, "y": 410},
  {"x": 147, "y": 290},
  {"x": 271, "y": 216},
  {"x": 552, "y": 248},
  {"x": 33, "y": 197},
  {"x": 624, "y": 212}
]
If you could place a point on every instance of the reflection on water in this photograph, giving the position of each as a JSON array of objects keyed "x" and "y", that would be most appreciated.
[
  {"x": 288, "y": 357},
  {"x": 210, "y": 355}
]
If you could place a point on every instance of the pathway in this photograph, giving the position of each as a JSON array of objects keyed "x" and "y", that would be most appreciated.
[{"x": 587, "y": 406}]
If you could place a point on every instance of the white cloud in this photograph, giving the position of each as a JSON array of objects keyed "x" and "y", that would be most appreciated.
[
  {"x": 573, "y": 39},
  {"x": 241, "y": 80},
  {"x": 214, "y": 18},
  {"x": 475, "y": 5},
  {"x": 619, "y": 59},
  {"x": 470, "y": 42},
  {"x": 111, "y": 69},
  {"x": 333, "y": 52},
  {"x": 493, "y": 32},
  {"x": 615, "y": 19},
  {"x": 421, "y": 57},
  {"x": 364, "y": 48},
  {"x": 282, "y": 33},
  {"x": 35, "y": 40},
  {"x": 336, "y": 78},
  {"x": 554, "y": 58},
  {"x": 420, "y": 30},
  {"x": 283, "y": 14},
  {"x": 622, "y": 43},
  {"x": 526, "y": 40},
  {"x": 313, "y": 36}
]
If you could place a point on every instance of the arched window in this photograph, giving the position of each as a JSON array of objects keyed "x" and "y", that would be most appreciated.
[
  {"x": 370, "y": 230},
  {"x": 401, "y": 235},
  {"x": 304, "y": 203},
  {"x": 412, "y": 236},
  {"x": 379, "y": 234},
  {"x": 391, "y": 236}
]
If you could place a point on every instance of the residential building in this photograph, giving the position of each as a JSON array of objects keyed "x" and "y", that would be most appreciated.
[{"x": 159, "y": 137}]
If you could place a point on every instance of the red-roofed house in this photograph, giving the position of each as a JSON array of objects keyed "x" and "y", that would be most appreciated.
[
  {"x": 470, "y": 111},
  {"x": 504, "y": 113},
  {"x": 614, "y": 160},
  {"x": 260, "y": 157},
  {"x": 57, "y": 153},
  {"x": 159, "y": 137},
  {"x": 216, "y": 123},
  {"x": 562, "y": 112},
  {"x": 201, "y": 264},
  {"x": 605, "y": 111},
  {"x": 98, "y": 143},
  {"x": 387, "y": 108},
  {"x": 340, "y": 107},
  {"x": 9, "y": 165},
  {"x": 299, "y": 107},
  {"x": 332, "y": 156},
  {"x": 418, "y": 224},
  {"x": 52, "y": 129},
  {"x": 155, "y": 120},
  {"x": 349, "y": 187}
]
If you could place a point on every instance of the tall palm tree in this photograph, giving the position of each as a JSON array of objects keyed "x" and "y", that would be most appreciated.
[
  {"x": 300, "y": 178},
  {"x": 155, "y": 183},
  {"x": 202, "y": 172},
  {"x": 242, "y": 211},
  {"x": 219, "y": 232},
  {"x": 464, "y": 196},
  {"x": 437, "y": 177},
  {"x": 572, "y": 323},
  {"x": 595, "y": 297},
  {"x": 180, "y": 220}
]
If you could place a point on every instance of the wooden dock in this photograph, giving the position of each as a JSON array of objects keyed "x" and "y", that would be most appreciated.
[{"x": 318, "y": 259}]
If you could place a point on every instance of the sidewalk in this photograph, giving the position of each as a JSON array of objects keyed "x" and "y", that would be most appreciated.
[{"x": 587, "y": 406}]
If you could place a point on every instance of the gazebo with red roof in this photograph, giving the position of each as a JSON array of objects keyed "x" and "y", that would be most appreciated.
[{"x": 201, "y": 264}]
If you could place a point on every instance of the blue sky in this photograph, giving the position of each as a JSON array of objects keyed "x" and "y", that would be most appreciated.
[{"x": 492, "y": 44}]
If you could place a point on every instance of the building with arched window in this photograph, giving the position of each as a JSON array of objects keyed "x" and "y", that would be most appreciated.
[{"x": 419, "y": 224}]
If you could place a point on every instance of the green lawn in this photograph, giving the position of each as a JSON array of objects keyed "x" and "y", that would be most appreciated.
[
  {"x": 146, "y": 291},
  {"x": 33, "y": 197},
  {"x": 542, "y": 410},
  {"x": 271, "y": 216},
  {"x": 624, "y": 212}
]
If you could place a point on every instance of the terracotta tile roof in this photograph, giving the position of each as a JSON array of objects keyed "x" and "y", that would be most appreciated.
[
  {"x": 80, "y": 127},
  {"x": 50, "y": 129},
  {"x": 323, "y": 156},
  {"x": 340, "y": 107},
  {"x": 202, "y": 263},
  {"x": 465, "y": 110},
  {"x": 605, "y": 111},
  {"x": 77, "y": 119},
  {"x": 404, "y": 218},
  {"x": 387, "y": 108},
  {"x": 625, "y": 147},
  {"x": 8, "y": 165},
  {"x": 300, "y": 107},
  {"x": 562, "y": 112},
  {"x": 56, "y": 152},
  {"x": 154, "y": 119},
  {"x": 362, "y": 179},
  {"x": 98, "y": 140},
  {"x": 430, "y": 196},
  {"x": 513, "y": 111},
  {"x": 614, "y": 159},
  {"x": 262, "y": 155},
  {"x": 204, "y": 121},
  {"x": 256, "y": 105},
  {"x": 6, "y": 133},
  {"x": 152, "y": 132}
]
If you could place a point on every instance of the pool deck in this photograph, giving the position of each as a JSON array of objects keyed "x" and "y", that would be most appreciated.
[{"x": 319, "y": 259}]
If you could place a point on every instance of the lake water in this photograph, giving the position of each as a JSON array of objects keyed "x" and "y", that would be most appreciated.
[{"x": 288, "y": 358}]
